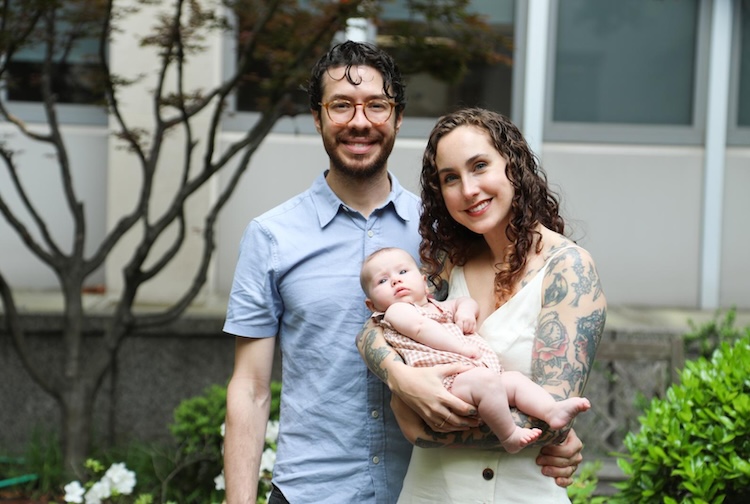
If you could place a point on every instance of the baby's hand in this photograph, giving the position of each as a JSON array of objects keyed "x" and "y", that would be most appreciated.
[
  {"x": 470, "y": 349},
  {"x": 467, "y": 324}
]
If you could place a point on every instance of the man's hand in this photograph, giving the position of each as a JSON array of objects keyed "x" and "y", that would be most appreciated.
[{"x": 560, "y": 461}]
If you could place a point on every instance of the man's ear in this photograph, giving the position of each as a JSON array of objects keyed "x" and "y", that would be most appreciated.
[{"x": 316, "y": 118}]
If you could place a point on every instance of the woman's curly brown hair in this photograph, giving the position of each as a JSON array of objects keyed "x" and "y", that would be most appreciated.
[{"x": 533, "y": 203}]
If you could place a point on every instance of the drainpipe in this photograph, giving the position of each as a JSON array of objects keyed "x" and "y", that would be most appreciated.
[{"x": 715, "y": 152}]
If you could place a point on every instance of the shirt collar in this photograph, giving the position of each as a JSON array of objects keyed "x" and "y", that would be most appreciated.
[{"x": 327, "y": 204}]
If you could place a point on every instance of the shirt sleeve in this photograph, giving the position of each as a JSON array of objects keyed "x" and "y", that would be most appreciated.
[{"x": 255, "y": 306}]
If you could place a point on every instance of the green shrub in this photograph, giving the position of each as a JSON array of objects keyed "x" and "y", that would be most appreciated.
[
  {"x": 197, "y": 429},
  {"x": 704, "y": 339},
  {"x": 694, "y": 445},
  {"x": 585, "y": 483},
  {"x": 197, "y": 422},
  {"x": 40, "y": 470},
  {"x": 189, "y": 477}
]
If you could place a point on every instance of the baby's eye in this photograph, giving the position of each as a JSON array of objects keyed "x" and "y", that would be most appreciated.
[
  {"x": 403, "y": 272},
  {"x": 382, "y": 280}
]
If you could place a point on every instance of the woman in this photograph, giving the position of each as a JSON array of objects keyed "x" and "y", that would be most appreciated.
[{"x": 492, "y": 227}]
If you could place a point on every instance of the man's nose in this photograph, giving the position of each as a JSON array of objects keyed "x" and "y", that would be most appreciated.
[{"x": 359, "y": 120}]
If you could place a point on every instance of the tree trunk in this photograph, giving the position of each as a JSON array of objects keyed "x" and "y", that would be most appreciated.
[{"x": 77, "y": 407}]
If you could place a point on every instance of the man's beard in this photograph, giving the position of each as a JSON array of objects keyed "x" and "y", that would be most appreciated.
[{"x": 358, "y": 171}]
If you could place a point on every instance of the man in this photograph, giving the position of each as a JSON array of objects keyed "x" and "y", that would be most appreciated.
[{"x": 297, "y": 278}]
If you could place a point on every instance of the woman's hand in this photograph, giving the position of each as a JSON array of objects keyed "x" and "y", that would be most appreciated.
[
  {"x": 422, "y": 390},
  {"x": 560, "y": 461},
  {"x": 411, "y": 425}
]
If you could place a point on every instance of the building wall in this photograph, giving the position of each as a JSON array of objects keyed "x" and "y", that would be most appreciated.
[
  {"x": 40, "y": 176},
  {"x": 735, "y": 267},
  {"x": 637, "y": 207},
  {"x": 638, "y": 211}
]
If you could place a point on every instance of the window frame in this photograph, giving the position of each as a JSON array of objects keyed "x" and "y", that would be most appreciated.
[
  {"x": 564, "y": 131},
  {"x": 67, "y": 113}
]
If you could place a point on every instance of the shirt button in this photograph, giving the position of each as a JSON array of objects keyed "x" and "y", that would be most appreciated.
[
  {"x": 375, "y": 459},
  {"x": 488, "y": 474},
  {"x": 370, "y": 233},
  {"x": 375, "y": 413}
]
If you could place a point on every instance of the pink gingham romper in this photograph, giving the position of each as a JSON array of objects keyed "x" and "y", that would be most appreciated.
[{"x": 419, "y": 355}]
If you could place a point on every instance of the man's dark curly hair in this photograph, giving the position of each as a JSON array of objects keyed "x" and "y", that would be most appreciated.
[
  {"x": 533, "y": 203},
  {"x": 351, "y": 54}
]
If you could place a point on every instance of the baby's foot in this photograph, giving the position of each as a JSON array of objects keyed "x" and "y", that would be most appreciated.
[
  {"x": 520, "y": 438},
  {"x": 566, "y": 410}
]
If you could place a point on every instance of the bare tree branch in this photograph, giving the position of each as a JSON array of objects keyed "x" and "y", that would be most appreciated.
[
  {"x": 15, "y": 329},
  {"x": 21, "y": 230}
]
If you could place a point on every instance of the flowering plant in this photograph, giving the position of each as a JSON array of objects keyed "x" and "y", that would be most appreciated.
[{"x": 116, "y": 481}]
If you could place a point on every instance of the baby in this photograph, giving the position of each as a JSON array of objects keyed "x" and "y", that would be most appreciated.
[{"x": 426, "y": 332}]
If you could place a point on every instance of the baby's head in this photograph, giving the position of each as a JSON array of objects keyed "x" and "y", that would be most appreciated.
[{"x": 391, "y": 275}]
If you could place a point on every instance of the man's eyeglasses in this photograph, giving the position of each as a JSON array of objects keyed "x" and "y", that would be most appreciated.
[{"x": 377, "y": 111}]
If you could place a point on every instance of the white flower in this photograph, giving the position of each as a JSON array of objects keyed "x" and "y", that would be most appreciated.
[
  {"x": 122, "y": 480},
  {"x": 223, "y": 429},
  {"x": 267, "y": 460},
  {"x": 272, "y": 431},
  {"x": 74, "y": 492},
  {"x": 99, "y": 491},
  {"x": 219, "y": 481}
]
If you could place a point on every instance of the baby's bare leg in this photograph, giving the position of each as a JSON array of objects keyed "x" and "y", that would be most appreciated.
[
  {"x": 484, "y": 388},
  {"x": 533, "y": 400}
]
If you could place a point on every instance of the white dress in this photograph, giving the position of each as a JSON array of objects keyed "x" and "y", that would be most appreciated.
[{"x": 463, "y": 475}]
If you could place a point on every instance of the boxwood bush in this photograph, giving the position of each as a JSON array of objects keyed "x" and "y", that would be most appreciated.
[{"x": 694, "y": 445}]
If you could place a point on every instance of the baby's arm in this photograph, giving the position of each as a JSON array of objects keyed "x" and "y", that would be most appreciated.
[
  {"x": 405, "y": 319},
  {"x": 465, "y": 313}
]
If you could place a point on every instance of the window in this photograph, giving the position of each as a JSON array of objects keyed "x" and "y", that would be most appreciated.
[
  {"x": 738, "y": 129},
  {"x": 743, "y": 109},
  {"x": 75, "y": 75},
  {"x": 488, "y": 85},
  {"x": 619, "y": 75}
]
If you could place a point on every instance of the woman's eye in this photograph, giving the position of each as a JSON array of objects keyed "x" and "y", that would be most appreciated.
[{"x": 481, "y": 165}]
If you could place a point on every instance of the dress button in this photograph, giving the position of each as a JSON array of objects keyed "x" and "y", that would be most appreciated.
[
  {"x": 488, "y": 474},
  {"x": 375, "y": 459},
  {"x": 375, "y": 414},
  {"x": 370, "y": 233}
]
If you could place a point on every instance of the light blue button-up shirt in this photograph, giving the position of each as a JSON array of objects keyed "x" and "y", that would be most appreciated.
[{"x": 298, "y": 277}]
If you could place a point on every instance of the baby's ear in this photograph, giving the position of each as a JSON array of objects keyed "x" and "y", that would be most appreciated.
[
  {"x": 427, "y": 289},
  {"x": 370, "y": 306}
]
